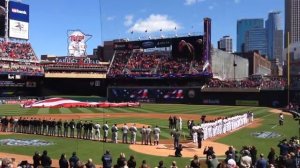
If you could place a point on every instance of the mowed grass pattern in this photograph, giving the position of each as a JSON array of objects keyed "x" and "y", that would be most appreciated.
[{"x": 91, "y": 149}]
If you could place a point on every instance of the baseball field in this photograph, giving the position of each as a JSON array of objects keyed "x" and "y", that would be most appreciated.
[{"x": 263, "y": 133}]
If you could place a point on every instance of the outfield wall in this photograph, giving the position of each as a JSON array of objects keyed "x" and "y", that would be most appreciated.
[{"x": 185, "y": 95}]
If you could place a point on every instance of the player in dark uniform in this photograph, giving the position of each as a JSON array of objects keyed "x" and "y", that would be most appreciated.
[
  {"x": 59, "y": 127},
  {"x": 72, "y": 128},
  {"x": 79, "y": 129},
  {"x": 66, "y": 128}
]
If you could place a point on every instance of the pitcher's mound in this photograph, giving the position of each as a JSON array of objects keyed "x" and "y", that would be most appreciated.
[{"x": 189, "y": 149}]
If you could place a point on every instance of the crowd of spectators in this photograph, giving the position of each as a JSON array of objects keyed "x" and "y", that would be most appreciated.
[
  {"x": 273, "y": 83},
  {"x": 265, "y": 83},
  {"x": 143, "y": 62},
  {"x": 247, "y": 157},
  {"x": 18, "y": 58},
  {"x": 14, "y": 50},
  {"x": 174, "y": 66},
  {"x": 119, "y": 62},
  {"x": 152, "y": 64}
]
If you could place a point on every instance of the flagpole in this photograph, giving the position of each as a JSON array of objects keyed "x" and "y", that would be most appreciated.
[{"x": 288, "y": 67}]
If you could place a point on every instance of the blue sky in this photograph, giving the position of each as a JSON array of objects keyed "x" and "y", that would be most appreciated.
[{"x": 51, "y": 19}]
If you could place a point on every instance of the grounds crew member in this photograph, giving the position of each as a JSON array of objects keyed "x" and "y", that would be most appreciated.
[
  {"x": 133, "y": 131},
  {"x": 105, "y": 131},
  {"x": 72, "y": 128},
  {"x": 156, "y": 132},
  {"x": 124, "y": 133},
  {"x": 66, "y": 128},
  {"x": 114, "y": 136}
]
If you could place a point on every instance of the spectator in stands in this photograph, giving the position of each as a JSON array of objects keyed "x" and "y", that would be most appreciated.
[
  {"x": 231, "y": 164},
  {"x": 46, "y": 160},
  {"x": 90, "y": 164},
  {"x": 195, "y": 163},
  {"x": 246, "y": 161},
  {"x": 144, "y": 164},
  {"x": 212, "y": 162},
  {"x": 271, "y": 156},
  {"x": 161, "y": 164},
  {"x": 131, "y": 163},
  {"x": 73, "y": 160},
  {"x": 174, "y": 165},
  {"x": 107, "y": 160},
  {"x": 261, "y": 162},
  {"x": 63, "y": 162},
  {"x": 121, "y": 160},
  {"x": 36, "y": 160}
]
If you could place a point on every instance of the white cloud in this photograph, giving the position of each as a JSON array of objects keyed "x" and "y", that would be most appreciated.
[
  {"x": 154, "y": 23},
  {"x": 128, "y": 20},
  {"x": 191, "y": 2},
  {"x": 110, "y": 18}
]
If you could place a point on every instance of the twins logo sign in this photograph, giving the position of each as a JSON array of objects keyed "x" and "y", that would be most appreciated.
[{"x": 77, "y": 43}]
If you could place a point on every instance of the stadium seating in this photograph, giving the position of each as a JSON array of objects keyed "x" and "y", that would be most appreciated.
[
  {"x": 152, "y": 64},
  {"x": 16, "y": 51},
  {"x": 265, "y": 83},
  {"x": 18, "y": 58}
]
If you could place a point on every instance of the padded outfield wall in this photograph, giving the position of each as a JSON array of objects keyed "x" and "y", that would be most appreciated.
[{"x": 196, "y": 95}]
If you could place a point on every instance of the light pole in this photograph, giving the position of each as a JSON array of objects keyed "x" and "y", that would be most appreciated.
[{"x": 234, "y": 67}]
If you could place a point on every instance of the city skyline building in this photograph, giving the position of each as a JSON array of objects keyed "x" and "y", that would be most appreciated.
[
  {"x": 256, "y": 40},
  {"x": 225, "y": 44},
  {"x": 274, "y": 35},
  {"x": 292, "y": 21},
  {"x": 244, "y": 25}
]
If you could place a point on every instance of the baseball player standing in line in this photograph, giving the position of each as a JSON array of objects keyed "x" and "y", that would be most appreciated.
[
  {"x": 148, "y": 135},
  {"x": 105, "y": 131},
  {"x": 66, "y": 127},
  {"x": 125, "y": 133},
  {"x": 72, "y": 127},
  {"x": 133, "y": 131},
  {"x": 156, "y": 132},
  {"x": 97, "y": 131},
  {"x": 143, "y": 133},
  {"x": 114, "y": 130},
  {"x": 180, "y": 123}
]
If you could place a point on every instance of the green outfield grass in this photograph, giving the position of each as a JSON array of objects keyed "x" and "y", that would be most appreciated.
[{"x": 91, "y": 149}]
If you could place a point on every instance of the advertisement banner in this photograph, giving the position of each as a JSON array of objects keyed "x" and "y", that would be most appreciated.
[
  {"x": 18, "y": 29},
  {"x": 18, "y": 11}
]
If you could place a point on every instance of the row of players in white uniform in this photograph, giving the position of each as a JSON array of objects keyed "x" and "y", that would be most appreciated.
[{"x": 221, "y": 126}]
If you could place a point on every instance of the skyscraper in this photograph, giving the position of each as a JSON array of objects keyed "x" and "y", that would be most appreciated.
[
  {"x": 225, "y": 44},
  {"x": 255, "y": 40},
  {"x": 292, "y": 21},
  {"x": 243, "y": 26},
  {"x": 274, "y": 37}
]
